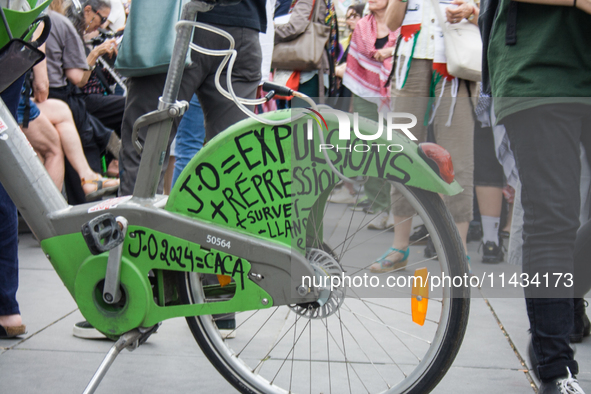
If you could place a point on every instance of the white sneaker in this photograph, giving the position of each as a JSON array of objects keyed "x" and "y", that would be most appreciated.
[
  {"x": 85, "y": 330},
  {"x": 568, "y": 385},
  {"x": 342, "y": 196},
  {"x": 380, "y": 222}
]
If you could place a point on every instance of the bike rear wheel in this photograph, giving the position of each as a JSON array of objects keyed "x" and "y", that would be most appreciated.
[{"x": 365, "y": 341}]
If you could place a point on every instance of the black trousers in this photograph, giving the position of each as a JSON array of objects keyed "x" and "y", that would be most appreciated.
[
  {"x": 108, "y": 109},
  {"x": 545, "y": 140},
  {"x": 218, "y": 111}
]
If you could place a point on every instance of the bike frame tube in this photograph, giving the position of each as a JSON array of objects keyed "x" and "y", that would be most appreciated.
[{"x": 158, "y": 133}]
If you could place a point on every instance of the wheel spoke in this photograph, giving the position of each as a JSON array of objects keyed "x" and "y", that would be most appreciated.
[
  {"x": 298, "y": 317},
  {"x": 372, "y": 344},
  {"x": 346, "y": 362},
  {"x": 291, "y": 350},
  {"x": 344, "y": 349},
  {"x": 393, "y": 333},
  {"x": 361, "y": 347},
  {"x": 386, "y": 325},
  {"x": 256, "y": 333}
]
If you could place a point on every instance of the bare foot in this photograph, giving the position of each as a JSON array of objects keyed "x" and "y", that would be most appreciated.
[{"x": 113, "y": 169}]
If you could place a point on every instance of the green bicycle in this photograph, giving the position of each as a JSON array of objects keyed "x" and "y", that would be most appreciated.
[{"x": 251, "y": 211}]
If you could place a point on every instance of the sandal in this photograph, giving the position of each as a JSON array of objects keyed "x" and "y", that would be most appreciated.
[
  {"x": 385, "y": 265},
  {"x": 11, "y": 332},
  {"x": 102, "y": 186}
]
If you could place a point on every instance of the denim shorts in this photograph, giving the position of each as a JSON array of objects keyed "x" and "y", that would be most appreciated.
[{"x": 33, "y": 112}]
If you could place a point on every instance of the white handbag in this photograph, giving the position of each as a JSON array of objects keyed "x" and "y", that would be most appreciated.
[{"x": 463, "y": 47}]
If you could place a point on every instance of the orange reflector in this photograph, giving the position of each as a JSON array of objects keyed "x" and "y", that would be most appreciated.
[
  {"x": 420, "y": 296},
  {"x": 224, "y": 280}
]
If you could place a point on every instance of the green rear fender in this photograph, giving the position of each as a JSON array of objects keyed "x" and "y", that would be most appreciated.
[{"x": 264, "y": 180}]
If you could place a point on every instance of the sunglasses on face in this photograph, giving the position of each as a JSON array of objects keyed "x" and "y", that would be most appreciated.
[
  {"x": 103, "y": 18},
  {"x": 352, "y": 16}
]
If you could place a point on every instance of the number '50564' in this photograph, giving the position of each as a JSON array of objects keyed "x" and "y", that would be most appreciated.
[{"x": 218, "y": 241}]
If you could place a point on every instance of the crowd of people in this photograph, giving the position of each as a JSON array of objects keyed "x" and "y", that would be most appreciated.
[{"x": 390, "y": 57}]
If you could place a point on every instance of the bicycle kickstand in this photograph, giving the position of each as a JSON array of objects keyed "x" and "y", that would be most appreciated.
[{"x": 131, "y": 340}]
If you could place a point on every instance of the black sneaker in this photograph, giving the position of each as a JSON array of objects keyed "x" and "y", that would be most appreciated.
[
  {"x": 582, "y": 325},
  {"x": 420, "y": 236},
  {"x": 474, "y": 231},
  {"x": 227, "y": 328},
  {"x": 360, "y": 205},
  {"x": 430, "y": 252},
  {"x": 492, "y": 252}
]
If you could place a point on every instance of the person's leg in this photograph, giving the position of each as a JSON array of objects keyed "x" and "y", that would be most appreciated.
[
  {"x": 458, "y": 140},
  {"x": 395, "y": 258},
  {"x": 489, "y": 182},
  {"x": 44, "y": 138},
  {"x": 545, "y": 141},
  {"x": 490, "y": 199},
  {"x": 413, "y": 98},
  {"x": 190, "y": 136},
  {"x": 60, "y": 116},
  {"x": 218, "y": 111},
  {"x": 108, "y": 109},
  {"x": 142, "y": 97},
  {"x": 9, "y": 311},
  {"x": 376, "y": 190}
]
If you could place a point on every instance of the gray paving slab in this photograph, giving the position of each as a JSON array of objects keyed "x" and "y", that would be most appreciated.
[
  {"x": 42, "y": 372},
  {"x": 484, "y": 345},
  {"x": 50, "y": 360},
  {"x": 465, "y": 380}
]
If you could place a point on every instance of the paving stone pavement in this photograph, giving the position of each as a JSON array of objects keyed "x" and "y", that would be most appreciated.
[{"x": 48, "y": 359}]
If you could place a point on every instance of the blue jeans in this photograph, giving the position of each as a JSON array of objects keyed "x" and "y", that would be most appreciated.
[
  {"x": 8, "y": 255},
  {"x": 190, "y": 136},
  {"x": 9, "y": 227},
  {"x": 545, "y": 141}
]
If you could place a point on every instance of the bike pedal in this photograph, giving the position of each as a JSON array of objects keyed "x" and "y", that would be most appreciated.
[{"x": 102, "y": 233}]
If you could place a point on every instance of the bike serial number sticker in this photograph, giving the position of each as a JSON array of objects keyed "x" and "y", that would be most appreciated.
[{"x": 218, "y": 241}]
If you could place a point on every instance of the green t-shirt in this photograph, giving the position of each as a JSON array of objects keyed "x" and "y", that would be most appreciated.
[{"x": 550, "y": 63}]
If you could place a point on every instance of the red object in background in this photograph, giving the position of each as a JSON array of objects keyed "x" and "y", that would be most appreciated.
[
  {"x": 438, "y": 159},
  {"x": 509, "y": 194}
]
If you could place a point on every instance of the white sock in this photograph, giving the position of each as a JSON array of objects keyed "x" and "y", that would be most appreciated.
[{"x": 490, "y": 229}]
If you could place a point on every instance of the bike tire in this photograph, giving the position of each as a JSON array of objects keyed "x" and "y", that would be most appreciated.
[{"x": 422, "y": 378}]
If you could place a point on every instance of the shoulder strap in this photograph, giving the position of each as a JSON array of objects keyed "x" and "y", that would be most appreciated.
[
  {"x": 314, "y": 12},
  {"x": 511, "y": 32},
  {"x": 440, "y": 17}
]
